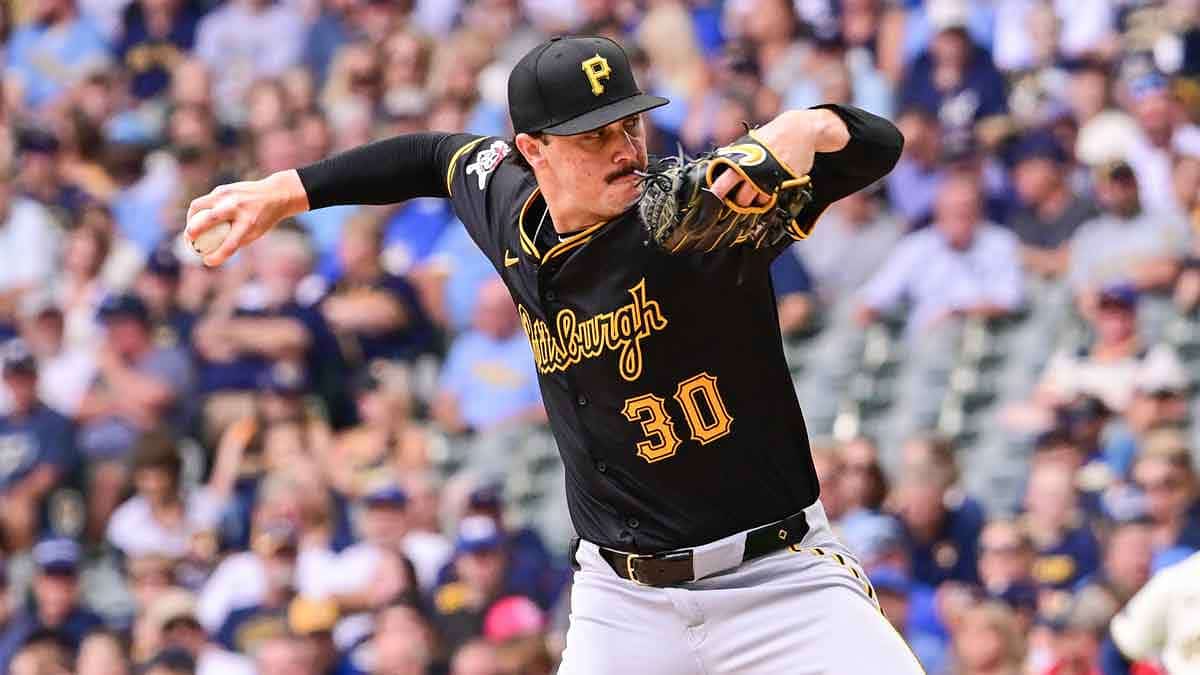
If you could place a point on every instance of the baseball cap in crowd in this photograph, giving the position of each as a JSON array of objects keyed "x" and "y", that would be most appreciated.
[
  {"x": 486, "y": 497},
  {"x": 1118, "y": 170},
  {"x": 173, "y": 659},
  {"x": 477, "y": 533},
  {"x": 16, "y": 357},
  {"x": 513, "y": 617},
  {"x": 285, "y": 379},
  {"x": 1019, "y": 596},
  {"x": 1119, "y": 295},
  {"x": 1089, "y": 610},
  {"x": 569, "y": 85},
  {"x": 870, "y": 535},
  {"x": 37, "y": 141},
  {"x": 1041, "y": 145},
  {"x": 388, "y": 494},
  {"x": 124, "y": 306},
  {"x": 57, "y": 556},
  {"x": 309, "y": 616},
  {"x": 890, "y": 579},
  {"x": 163, "y": 262},
  {"x": 172, "y": 606}
]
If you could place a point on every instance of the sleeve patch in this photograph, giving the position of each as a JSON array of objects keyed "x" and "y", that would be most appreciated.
[{"x": 487, "y": 160}]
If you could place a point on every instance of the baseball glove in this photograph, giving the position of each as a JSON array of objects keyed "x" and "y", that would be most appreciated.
[{"x": 682, "y": 215}]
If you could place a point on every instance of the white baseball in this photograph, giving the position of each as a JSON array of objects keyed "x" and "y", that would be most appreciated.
[{"x": 211, "y": 240}]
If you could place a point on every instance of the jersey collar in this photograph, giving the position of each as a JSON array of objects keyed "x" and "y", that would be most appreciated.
[{"x": 529, "y": 246}]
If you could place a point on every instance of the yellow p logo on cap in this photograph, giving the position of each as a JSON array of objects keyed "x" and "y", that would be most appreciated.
[{"x": 596, "y": 68}]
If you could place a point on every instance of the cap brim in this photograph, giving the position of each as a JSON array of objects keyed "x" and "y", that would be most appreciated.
[{"x": 606, "y": 115}]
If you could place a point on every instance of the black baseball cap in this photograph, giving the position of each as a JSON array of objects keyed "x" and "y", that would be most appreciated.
[
  {"x": 124, "y": 306},
  {"x": 570, "y": 85}
]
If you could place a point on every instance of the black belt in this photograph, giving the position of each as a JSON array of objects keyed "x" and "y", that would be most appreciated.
[{"x": 675, "y": 567}]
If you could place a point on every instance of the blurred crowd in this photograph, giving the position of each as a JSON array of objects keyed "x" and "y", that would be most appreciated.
[{"x": 301, "y": 463}]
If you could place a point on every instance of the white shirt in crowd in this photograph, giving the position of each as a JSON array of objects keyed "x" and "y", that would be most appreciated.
[
  {"x": 356, "y": 569},
  {"x": 1069, "y": 374},
  {"x": 1163, "y": 620},
  {"x": 30, "y": 241},
  {"x": 240, "y": 581},
  {"x": 135, "y": 531}
]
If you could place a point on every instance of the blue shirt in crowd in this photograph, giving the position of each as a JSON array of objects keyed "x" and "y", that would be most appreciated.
[
  {"x": 493, "y": 380},
  {"x": 43, "y": 437}
]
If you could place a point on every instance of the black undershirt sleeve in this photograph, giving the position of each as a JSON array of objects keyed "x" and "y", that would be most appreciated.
[
  {"x": 383, "y": 172},
  {"x": 874, "y": 148}
]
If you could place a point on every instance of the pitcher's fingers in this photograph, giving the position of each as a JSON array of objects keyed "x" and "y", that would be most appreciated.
[
  {"x": 202, "y": 222},
  {"x": 232, "y": 243},
  {"x": 748, "y": 195},
  {"x": 724, "y": 183},
  {"x": 202, "y": 202}
]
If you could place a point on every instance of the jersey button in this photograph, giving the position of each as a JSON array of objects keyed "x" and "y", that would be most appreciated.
[
  {"x": 582, "y": 400},
  {"x": 602, "y": 466},
  {"x": 633, "y": 523},
  {"x": 551, "y": 296}
]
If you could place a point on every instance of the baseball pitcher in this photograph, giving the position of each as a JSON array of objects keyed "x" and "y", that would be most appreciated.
[{"x": 643, "y": 287}]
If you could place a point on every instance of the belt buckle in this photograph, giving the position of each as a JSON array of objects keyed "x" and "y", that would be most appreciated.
[{"x": 630, "y": 557}]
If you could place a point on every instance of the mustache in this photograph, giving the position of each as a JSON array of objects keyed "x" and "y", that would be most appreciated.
[{"x": 626, "y": 170}]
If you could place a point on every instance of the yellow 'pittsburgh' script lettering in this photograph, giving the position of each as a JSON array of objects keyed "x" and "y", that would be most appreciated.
[{"x": 573, "y": 340}]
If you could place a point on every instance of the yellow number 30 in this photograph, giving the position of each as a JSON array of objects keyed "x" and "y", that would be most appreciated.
[{"x": 702, "y": 406}]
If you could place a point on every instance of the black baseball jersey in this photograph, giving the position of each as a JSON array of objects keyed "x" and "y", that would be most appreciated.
[{"x": 663, "y": 375}]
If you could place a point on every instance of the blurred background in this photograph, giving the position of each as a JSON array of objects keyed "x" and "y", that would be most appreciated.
[{"x": 330, "y": 455}]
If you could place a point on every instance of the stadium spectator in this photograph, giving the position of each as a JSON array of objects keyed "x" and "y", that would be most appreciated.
[
  {"x": 1065, "y": 547},
  {"x": 138, "y": 386},
  {"x": 55, "y": 604},
  {"x": 160, "y": 518},
  {"x": 403, "y": 643},
  {"x": 51, "y": 53},
  {"x": 29, "y": 248},
  {"x": 913, "y": 185},
  {"x": 38, "y": 449},
  {"x": 378, "y": 314},
  {"x": 1107, "y": 368},
  {"x": 960, "y": 266},
  {"x": 286, "y": 655},
  {"x": 477, "y": 657},
  {"x": 1077, "y": 634},
  {"x": 1128, "y": 554},
  {"x": 864, "y": 484},
  {"x": 1050, "y": 210},
  {"x": 1006, "y": 558},
  {"x": 102, "y": 653},
  {"x": 853, "y": 240},
  {"x": 1128, "y": 241},
  {"x": 39, "y": 176},
  {"x": 375, "y": 572},
  {"x": 987, "y": 641},
  {"x": 943, "y": 534},
  {"x": 246, "y": 40},
  {"x": 1159, "y": 401},
  {"x": 270, "y": 323},
  {"x": 955, "y": 77},
  {"x": 486, "y": 366},
  {"x": 1168, "y": 480},
  {"x": 67, "y": 372},
  {"x": 154, "y": 36}
]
